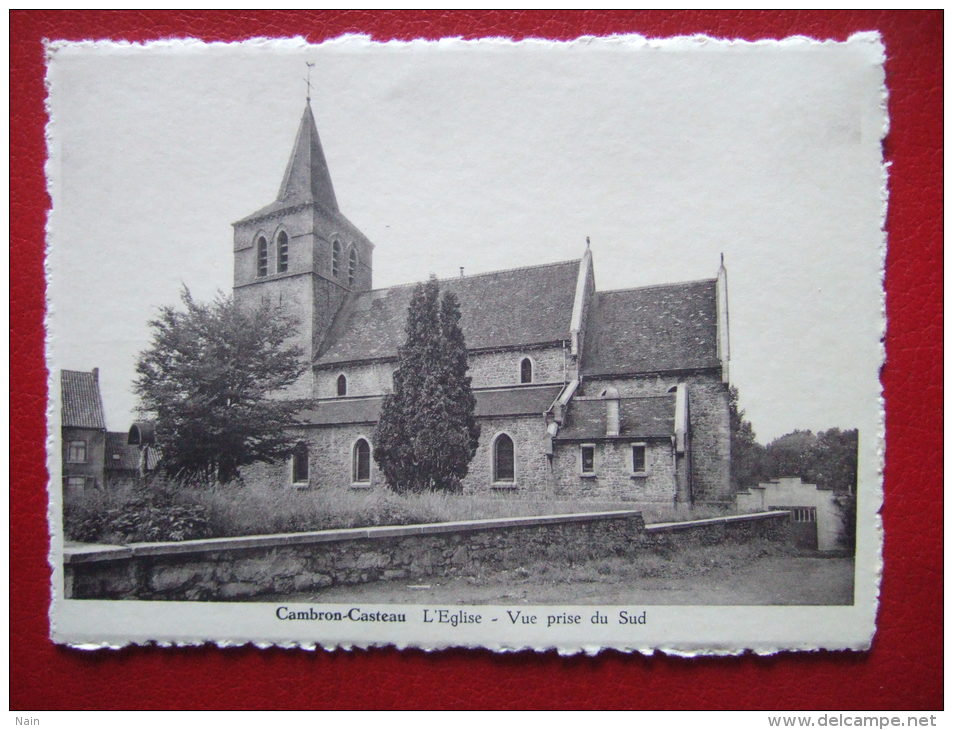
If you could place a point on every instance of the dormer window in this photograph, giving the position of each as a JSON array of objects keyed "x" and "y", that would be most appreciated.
[
  {"x": 282, "y": 252},
  {"x": 262, "y": 256},
  {"x": 351, "y": 266},
  {"x": 526, "y": 370},
  {"x": 335, "y": 258},
  {"x": 342, "y": 384}
]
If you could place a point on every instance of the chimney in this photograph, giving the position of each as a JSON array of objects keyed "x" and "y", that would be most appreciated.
[
  {"x": 611, "y": 396},
  {"x": 96, "y": 374}
]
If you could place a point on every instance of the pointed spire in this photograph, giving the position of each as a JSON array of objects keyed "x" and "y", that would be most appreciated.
[{"x": 307, "y": 179}]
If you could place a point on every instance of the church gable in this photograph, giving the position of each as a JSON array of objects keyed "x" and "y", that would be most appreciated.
[
  {"x": 514, "y": 308},
  {"x": 652, "y": 329}
]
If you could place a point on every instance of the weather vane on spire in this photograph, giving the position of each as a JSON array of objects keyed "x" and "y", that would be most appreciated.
[{"x": 308, "y": 80}]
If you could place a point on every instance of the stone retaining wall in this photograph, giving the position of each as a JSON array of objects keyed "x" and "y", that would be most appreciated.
[{"x": 241, "y": 567}]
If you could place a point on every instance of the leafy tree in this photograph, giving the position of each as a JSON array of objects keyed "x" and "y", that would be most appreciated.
[
  {"x": 832, "y": 462},
  {"x": 747, "y": 455},
  {"x": 427, "y": 434},
  {"x": 207, "y": 381},
  {"x": 789, "y": 455}
]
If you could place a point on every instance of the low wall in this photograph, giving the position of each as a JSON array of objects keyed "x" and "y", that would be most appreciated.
[
  {"x": 774, "y": 525},
  {"x": 241, "y": 567}
]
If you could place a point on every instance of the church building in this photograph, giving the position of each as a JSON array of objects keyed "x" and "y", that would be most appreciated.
[{"x": 580, "y": 393}]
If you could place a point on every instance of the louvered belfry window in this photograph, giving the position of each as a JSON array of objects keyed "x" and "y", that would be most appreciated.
[
  {"x": 282, "y": 252},
  {"x": 262, "y": 257}
]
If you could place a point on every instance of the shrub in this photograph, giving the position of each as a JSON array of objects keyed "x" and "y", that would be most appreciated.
[{"x": 141, "y": 517}]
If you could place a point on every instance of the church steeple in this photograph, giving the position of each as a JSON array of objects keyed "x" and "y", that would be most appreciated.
[
  {"x": 307, "y": 179},
  {"x": 301, "y": 251}
]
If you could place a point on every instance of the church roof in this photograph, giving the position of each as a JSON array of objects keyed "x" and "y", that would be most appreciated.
[
  {"x": 652, "y": 329},
  {"x": 82, "y": 402},
  {"x": 515, "y": 401},
  {"x": 307, "y": 179},
  {"x": 643, "y": 417},
  {"x": 512, "y": 308},
  {"x": 120, "y": 454}
]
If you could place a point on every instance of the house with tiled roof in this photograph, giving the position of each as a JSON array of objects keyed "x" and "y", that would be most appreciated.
[
  {"x": 92, "y": 457},
  {"x": 580, "y": 393}
]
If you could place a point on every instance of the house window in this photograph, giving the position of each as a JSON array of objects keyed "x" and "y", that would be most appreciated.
[
  {"x": 351, "y": 266},
  {"x": 76, "y": 452},
  {"x": 335, "y": 258},
  {"x": 587, "y": 460},
  {"x": 75, "y": 485},
  {"x": 342, "y": 384},
  {"x": 282, "y": 252},
  {"x": 526, "y": 370},
  {"x": 262, "y": 256},
  {"x": 638, "y": 458},
  {"x": 361, "y": 468},
  {"x": 299, "y": 464},
  {"x": 503, "y": 459}
]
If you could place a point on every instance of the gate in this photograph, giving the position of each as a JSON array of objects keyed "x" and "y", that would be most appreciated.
[{"x": 803, "y": 526}]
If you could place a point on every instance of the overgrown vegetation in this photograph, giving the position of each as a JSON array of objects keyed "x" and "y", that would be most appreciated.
[{"x": 223, "y": 511}]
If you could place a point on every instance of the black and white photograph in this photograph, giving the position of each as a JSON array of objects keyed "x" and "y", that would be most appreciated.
[{"x": 501, "y": 344}]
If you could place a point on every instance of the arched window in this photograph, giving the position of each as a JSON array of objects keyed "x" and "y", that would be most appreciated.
[
  {"x": 526, "y": 370},
  {"x": 351, "y": 266},
  {"x": 282, "y": 252},
  {"x": 503, "y": 459},
  {"x": 342, "y": 384},
  {"x": 299, "y": 464},
  {"x": 262, "y": 256},
  {"x": 361, "y": 464},
  {"x": 335, "y": 258}
]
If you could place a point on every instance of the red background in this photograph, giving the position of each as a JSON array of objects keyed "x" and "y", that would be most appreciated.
[{"x": 902, "y": 671}]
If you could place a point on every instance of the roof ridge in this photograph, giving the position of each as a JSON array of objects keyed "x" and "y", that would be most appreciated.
[
  {"x": 658, "y": 286},
  {"x": 474, "y": 276}
]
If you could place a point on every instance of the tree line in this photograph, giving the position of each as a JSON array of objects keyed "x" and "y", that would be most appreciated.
[{"x": 826, "y": 458}]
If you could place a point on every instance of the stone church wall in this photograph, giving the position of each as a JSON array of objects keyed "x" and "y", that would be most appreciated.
[
  {"x": 296, "y": 293},
  {"x": 487, "y": 369},
  {"x": 330, "y": 460},
  {"x": 532, "y": 473},
  {"x": 710, "y": 435},
  {"x": 374, "y": 378},
  {"x": 613, "y": 478},
  {"x": 330, "y": 451},
  {"x": 490, "y": 369}
]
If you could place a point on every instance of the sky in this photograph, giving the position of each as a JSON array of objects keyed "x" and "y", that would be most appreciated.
[{"x": 491, "y": 155}]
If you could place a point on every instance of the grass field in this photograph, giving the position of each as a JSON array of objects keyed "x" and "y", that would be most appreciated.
[{"x": 117, "y": 517}]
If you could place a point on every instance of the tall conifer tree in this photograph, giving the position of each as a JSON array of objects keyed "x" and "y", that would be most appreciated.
[{"x": 427, "y": 433}]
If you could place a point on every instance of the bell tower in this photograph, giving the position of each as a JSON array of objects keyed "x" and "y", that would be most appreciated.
[{"x": 300, "y": 251}]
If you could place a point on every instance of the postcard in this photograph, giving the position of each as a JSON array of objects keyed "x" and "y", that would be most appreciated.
[{"x": 511, "y": 345}]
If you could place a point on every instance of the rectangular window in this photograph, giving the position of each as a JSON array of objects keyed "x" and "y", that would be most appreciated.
[
  {"x": 75, "y": 485},
  {"x": 587, "y": 459},
  {"x": 76, "y": 452},
  {"x": 638, "y": 458}
]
